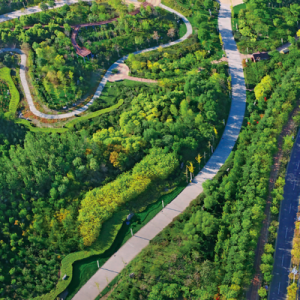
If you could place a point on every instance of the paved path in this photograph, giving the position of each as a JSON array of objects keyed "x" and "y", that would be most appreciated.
[
  {"x": 123, "y": 74},
  {"x": 105, "y": 77},
  {"x": 287, "y": 217},
  {"x": 141, "y": 239}
]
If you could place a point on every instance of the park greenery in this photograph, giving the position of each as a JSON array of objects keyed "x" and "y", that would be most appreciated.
[
  {"x": 137, "y": 140},
  {"x": 58, "y": 75},
  {"x": 208, "y": 251},
  {"x": 265, "y": 25}
]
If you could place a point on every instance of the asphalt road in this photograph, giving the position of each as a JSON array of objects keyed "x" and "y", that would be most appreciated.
[{"x": 287, "y": 217}]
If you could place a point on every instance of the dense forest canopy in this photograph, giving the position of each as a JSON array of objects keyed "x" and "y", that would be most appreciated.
[{"x": 265, "y": 25}]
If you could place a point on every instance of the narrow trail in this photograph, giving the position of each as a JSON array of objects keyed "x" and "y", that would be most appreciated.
[
  {"x": 104, "y": 79},
  {"x": 141, "y": 239}
]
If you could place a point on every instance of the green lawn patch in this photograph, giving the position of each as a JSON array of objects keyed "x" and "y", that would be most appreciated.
[{"x": 14, "y": 94}]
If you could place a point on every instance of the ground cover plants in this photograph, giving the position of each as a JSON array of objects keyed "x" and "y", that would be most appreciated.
[
  {"x": 209, "y": 252},
  {"x": 264, "y": 25},
  {"x": 52, "y": 184}
]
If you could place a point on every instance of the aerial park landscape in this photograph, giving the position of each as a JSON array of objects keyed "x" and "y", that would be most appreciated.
[{"x": 149, "y": 150}]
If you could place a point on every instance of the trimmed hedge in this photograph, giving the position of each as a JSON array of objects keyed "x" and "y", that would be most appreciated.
[
  {"x": 70, "y": 124},
  {"x": 38, "y": 129},
  {"x": 106, "y": 238},
  {"x": 94, "y": 114},
  {"x": 14, "y": 93}
]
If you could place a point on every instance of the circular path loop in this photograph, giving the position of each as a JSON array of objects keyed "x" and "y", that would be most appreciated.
[{"x": 141, "y": 239}]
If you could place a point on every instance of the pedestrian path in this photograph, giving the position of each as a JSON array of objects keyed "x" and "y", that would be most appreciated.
[
  {"x": 141, "y": 239},
  {"x": 123, "y": 71},
  {"x": 105, "y": 77}
]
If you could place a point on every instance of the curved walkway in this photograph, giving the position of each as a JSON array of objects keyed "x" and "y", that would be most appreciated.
[
  {"x": 141, "y": 239},
  {"x": 104, "y": 79},
  {"x": 123, "y": 74}
]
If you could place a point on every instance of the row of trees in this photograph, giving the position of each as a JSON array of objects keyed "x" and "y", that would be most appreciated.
[{"x": 99, "y": 204}]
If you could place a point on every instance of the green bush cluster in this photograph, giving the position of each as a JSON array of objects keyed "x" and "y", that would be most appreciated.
[{"x": 264, "y": 25}]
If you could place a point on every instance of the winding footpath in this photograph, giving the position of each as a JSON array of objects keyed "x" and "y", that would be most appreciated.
[
  {"x": 141, "y": 239},
  {"x": 105, "y": 77}
]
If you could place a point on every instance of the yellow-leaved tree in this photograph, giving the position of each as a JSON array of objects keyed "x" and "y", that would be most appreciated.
[
  {"x": 99, "y": 204},
  {"x": 264, "y": 86}
]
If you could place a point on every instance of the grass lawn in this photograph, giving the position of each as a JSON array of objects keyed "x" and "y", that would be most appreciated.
[
  {"x": 182, "y": 30},
  {"x": 14, "y": 93}
]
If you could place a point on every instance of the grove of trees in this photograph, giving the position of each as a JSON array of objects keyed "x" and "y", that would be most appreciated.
[
  {"x": 265, "y": 25},
  {"x": 58, "y": 75}
]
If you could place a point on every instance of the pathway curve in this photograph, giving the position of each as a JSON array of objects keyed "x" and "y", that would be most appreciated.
[
  {"x": 141, "y": 239},
  {"x": 123, "y": 71},
  {"x": 105, "y": 77}
]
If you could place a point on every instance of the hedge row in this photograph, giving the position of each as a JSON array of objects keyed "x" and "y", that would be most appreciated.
[
  {"x": 94, "y": 114},
  {"x": 106, "y": 238}
]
